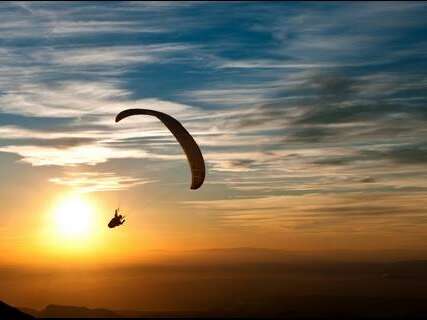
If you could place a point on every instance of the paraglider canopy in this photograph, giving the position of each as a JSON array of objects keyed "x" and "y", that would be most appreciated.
[{"x": 190, "y": 147}]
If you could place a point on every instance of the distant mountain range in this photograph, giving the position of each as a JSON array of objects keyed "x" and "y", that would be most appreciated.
[
  {"x": 56, "y": 311},
  {"x": 391, "y": 289},
  {"x": 308, "y": 307},
  {"x": 59, "y": 311},
  {"x": 8, "y": 312}
]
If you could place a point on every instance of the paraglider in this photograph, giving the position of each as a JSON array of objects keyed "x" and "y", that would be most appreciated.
[
  {"x": 190, "y": 147},
  {"x": 117, "y": 220}
]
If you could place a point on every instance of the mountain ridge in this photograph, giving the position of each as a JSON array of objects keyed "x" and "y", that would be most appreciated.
[{"x": 8, "y": 312}]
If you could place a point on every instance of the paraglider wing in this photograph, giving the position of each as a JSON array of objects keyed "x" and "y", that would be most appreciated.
[{"x": 190, "y": 147}]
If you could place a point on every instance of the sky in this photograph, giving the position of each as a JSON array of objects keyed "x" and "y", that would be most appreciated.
[{"x": 311, "y": 118}]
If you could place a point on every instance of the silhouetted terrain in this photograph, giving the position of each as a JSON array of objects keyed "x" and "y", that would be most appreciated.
[
  {"x": 256, "y": 283},
  {"x": 10, "y": 313},
  {"x": 313, "y": 307},
  {"x": 55, "y": 311}
]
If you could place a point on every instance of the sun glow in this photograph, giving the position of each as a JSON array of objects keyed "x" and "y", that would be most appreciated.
[
  {"x": 74, "y": 230},
  {"x": 73, "y": 217}
]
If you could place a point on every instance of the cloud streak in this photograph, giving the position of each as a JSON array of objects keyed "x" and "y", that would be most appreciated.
[{"x": 97, "y": 181}]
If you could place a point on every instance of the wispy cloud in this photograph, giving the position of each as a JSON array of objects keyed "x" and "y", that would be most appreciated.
[
  {"x": 272, "y": 64},
  {"x": 74, "y": 28},
  {"x": 315, "y": 213},
  {"x": 113, "y": 55},
  {"x": 89, "y": 132},
  {"x": 43, "y": 21},
  {"x": 86, "y": 154},
  {"x": 97, "y": 181},
  {"x": 76, "y": 99}
]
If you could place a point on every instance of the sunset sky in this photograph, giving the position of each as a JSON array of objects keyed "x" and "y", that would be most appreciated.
[{"x": 311, "y": 118}]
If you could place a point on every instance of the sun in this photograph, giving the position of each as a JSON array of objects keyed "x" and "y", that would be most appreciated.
[
  {"x": 73, "y": 228},
  {"x": 73, "y": 217}
]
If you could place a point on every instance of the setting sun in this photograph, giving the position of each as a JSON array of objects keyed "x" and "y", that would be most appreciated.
[
  {"x": 73, "y": 217},
  {"x": 73, "y": 227}
]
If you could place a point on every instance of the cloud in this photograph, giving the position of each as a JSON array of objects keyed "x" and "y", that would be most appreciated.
[
  {"x": 336, "y": 161},
  {"x": 401, "y": 154},
  {"x": 97, "y": 181},
  {"x": 81, "y": 28},
  {"x": 316, "y": 213},
  {"x": 40, "y": 21},
  {"x": 71, "y": 156},
  {"x": 271, "y": 64},
  {"x": 357, "y": 113},
  {"x": 230, "y": 96},
  {"x": 59, "y": 143},
  {"x": 76, "y": 99},
  {"x": 368, "y": 180},
  {"x": 113, "y": 56},
  {"x": 72, "y": 123},
  {"x": 311, "y": 35},
  {"x": 312, "y": 134},
  {"x": 240, "y": 165},
  {"x": 66, "y": 99},
  {"x": 33, "y": 122}
]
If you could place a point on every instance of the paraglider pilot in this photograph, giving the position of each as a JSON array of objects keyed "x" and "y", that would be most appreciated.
[{"x": 117, "y": 220}]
